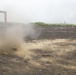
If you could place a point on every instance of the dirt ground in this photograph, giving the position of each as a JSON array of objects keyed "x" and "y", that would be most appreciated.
[{"x": 52, "y": 53}]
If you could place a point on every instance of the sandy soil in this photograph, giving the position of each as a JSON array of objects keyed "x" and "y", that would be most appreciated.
[{"x": 52, "y": 53}]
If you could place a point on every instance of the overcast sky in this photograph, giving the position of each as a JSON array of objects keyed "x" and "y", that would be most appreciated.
[{"x": 48, "y": 11}]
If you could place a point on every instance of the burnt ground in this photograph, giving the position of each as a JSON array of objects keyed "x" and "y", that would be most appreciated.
[{"x": 52, "y": 53}]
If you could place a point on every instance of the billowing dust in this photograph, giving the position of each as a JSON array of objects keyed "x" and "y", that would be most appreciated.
[{"x": 13, "y": 38}]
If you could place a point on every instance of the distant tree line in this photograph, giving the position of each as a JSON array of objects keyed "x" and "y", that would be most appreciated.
[{"x": 54, "y": 24}]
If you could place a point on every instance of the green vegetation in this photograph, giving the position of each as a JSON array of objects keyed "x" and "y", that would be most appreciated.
[
  {"x": 40, "y": 23},
  {"x": 47, "y": 24}
]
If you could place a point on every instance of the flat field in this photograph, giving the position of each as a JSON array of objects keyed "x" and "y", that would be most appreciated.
[{"x": 52, "y": 53}]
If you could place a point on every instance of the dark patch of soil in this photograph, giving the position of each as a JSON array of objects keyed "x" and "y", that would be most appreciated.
[{"x": 56, "y": 32}]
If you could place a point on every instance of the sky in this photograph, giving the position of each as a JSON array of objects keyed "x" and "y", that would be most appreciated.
[{"x": 48, "y": 11}]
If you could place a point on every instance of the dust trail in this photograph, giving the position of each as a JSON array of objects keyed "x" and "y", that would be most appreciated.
[{"x": 12, "y": 37}]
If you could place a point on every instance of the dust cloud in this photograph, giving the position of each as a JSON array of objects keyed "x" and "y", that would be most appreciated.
[{"x": 12, "y": 37}]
